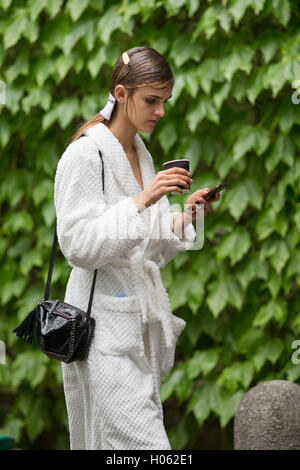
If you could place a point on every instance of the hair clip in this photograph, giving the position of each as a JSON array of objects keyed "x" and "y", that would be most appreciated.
[{"x": 125, "y": 58}]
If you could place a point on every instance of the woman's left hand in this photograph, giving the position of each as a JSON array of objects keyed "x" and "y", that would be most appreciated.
[{"x": 197, "y": 196}]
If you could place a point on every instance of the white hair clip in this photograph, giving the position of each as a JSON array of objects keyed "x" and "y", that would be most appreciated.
[{"x": 125, "y": 58}]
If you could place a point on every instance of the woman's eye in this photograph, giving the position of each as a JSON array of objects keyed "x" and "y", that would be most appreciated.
[{"x": 153, "y": 101}]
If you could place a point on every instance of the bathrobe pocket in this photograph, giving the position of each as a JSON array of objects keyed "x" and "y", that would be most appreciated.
[{"x": 118, "y": 328}]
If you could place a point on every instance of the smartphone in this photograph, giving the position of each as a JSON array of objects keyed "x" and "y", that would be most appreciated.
[{"x": 211, "y": 193}]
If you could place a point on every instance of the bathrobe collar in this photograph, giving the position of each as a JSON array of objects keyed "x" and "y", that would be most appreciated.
[{"x": 120, "y": 165}]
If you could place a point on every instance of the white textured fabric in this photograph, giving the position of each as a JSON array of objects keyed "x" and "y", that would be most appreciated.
[{"x": 113, "y": 397}]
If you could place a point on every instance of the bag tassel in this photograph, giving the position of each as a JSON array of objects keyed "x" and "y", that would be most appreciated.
[{"x": 25, "y": 329}]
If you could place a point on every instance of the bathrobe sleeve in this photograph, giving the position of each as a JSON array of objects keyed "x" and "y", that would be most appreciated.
[
  {"x": 90, "y": 234},
  {"x": 164, "y": 245}
]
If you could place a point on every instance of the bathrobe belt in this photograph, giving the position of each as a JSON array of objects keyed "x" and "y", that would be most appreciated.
[{"x": 153, "y": 297}]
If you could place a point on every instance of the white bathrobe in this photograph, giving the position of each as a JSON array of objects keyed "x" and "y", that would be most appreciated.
[{"x": 113, "y": 397}]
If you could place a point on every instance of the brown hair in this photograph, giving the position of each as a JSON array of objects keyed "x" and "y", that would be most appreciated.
[{"x": 146, "y": 67}]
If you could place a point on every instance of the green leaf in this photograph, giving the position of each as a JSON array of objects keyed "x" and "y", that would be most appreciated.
[
  {"x": 169, "y": 383},
  {"x": 35, "y": 7},
  {"x": 96, "y": 61},
  {"x": 5, "y": 4},
  {"x": 293, "y": 265},
  {"x": 53, "y": 7},
  {"x": 63, "y": 64},
  {"x": 234, "y": 245},
  {"x": 238, "y": 8},
  {"x": 178, "y": 291},
  {"x": 221, "y": 95},
  {"x": 109, "y": 22},
  {"x": 207, "y": 24},
  {"x": 179, "y": 435},
  {"x": 257, "y": 5},
  {"x": 54, "y": 33},
  {"x": 235, "y": 293},
  {"x": 275, "y": 78},
  {"x": 288, "y": 116},
  {"x": 167, "y": 135},
  {"x": 202, "y": 363},
  {"x": 268, "y": 352},
  {"x": 192, "y": 6},
  {"x": 218, "y": 297},
  {"x": 275, "y": 308},
  {"x": 264, "y": 314},
  {"x": 76, "y": 33},
  {"x": 183, "y": 51},
  {"x": 282, "y": 11},
  {"x": 229, "y": 406},
  {"x": 19, "y": 67},
  {"x": 30, "y": 259},
  {"x": 200, "y": 404},
  {"x": 239, "y": 58},
  {"x": 18, "y": 23},
  {"x": 29, "y": 366},
  {"x": 204, "y": 108},
  {"x": 184, "y": 388},
  {"x": 195, "y": 293},
  {"x": 191, "y": 83},
  {"x": 269, "y": 42},
  {"x": 248, "y": 342},
  {"x": 280, "y": 312},
  {"x": 265, "y": 223},
  {"x": 49, "y": 214},
  {"x": 292, "y": 372},
  {"x": 238, "y": 373},
  {"x": 37, "y": 97},
  {"x": 281, "y": 255},
  {"x": 238, "y": 201},
  {"x": 250, "y": 268},
  {"x": 39, "y": 417},
  {"x": 76, "y": 8},
  {"x": 251, "y": 137},
  {"x": 208, "y": 72},
  {"x": 13, "y": 98},
  {"x": 282, "y": 150},
  {"x": 18, "y": 221},
  {"x": 273, "y": 283},
  {"x": 13, "y": 428}
]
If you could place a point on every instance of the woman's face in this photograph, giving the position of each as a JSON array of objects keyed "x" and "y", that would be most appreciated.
[{"x": 148, "y": 107}]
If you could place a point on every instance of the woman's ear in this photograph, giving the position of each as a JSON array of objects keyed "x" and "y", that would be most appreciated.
[{"x": 120, "y": 93}]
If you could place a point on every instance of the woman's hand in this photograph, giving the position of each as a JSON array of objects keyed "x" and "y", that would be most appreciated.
[
  {"x": 164, "y": 182},
  {"x": 197, "y": 196}
]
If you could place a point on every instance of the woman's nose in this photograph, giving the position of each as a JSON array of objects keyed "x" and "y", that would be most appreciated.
[{"x": 161, "y": 111}]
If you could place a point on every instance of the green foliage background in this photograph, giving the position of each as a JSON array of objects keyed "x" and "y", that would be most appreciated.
[{"x": 235, "y": 65}]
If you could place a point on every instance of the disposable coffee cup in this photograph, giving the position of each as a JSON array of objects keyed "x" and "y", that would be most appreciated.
[{"x": 181, "y": 163}]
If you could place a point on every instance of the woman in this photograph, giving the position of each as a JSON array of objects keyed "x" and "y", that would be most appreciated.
[{"x": 113, "y": 397}]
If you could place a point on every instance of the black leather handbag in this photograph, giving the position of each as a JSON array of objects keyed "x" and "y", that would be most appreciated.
[{"x": 62, "y": 331}]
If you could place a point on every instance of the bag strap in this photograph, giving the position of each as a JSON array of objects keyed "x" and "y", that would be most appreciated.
[{"x": 47, "y": 291}]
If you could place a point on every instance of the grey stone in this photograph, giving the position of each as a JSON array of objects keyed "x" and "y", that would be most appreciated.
[{"x": 268, "y": 417}]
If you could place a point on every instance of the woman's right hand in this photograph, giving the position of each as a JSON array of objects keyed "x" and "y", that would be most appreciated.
[{"x": 164, "y": 182}]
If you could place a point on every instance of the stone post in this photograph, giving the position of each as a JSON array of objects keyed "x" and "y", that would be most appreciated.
[{"x": 268, "y": 417}]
